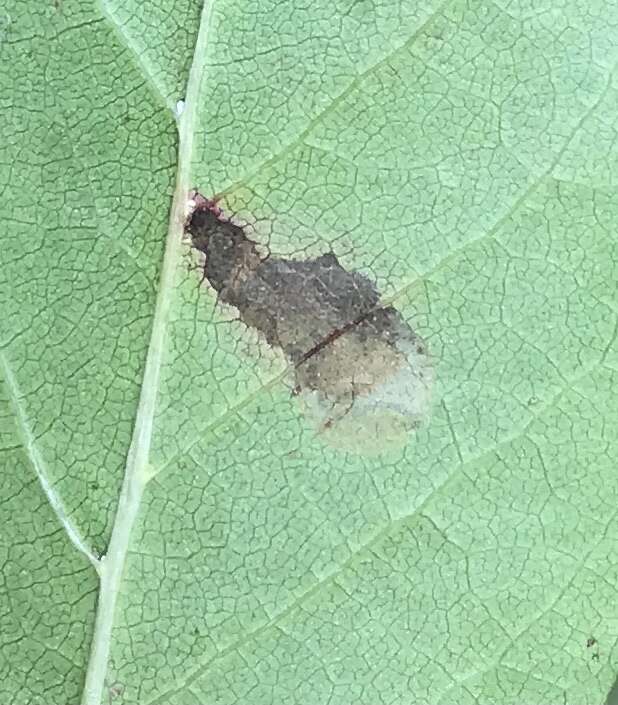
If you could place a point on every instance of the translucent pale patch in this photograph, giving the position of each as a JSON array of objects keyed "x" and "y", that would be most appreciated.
[{"x": 381, "y": 415}]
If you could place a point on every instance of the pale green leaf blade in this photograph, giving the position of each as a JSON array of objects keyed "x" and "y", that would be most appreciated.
[
  {"x": 464, "y": 157},
  {"x": 86, "y": 178}
]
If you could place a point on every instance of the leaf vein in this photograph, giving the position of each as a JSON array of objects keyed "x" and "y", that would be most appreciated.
[
  {"x": 139, "y": 59},
  {"x": 28, "y": 442}
]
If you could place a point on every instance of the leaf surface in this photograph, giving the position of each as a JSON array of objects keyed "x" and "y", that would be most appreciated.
[{"x": 173, "y": 530}]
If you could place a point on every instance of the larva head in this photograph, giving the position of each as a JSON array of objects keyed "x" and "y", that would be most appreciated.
[
  {"x": 226, "y": 248},
  {"x": 201, "y": 226}
]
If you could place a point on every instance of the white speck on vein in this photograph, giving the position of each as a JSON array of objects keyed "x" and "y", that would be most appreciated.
[{"x": 180, "y": 108}]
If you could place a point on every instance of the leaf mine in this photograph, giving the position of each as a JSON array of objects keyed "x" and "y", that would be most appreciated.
[{"x": 361, "y": 373}]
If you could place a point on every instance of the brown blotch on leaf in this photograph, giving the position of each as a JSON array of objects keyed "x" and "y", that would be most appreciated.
[{"x": 352, "y": 357}]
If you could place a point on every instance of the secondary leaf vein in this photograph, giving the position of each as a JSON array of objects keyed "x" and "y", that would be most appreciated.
[{"x": 40, "y": 467}]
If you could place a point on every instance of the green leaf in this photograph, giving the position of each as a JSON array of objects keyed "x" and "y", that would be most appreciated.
[{"x": 173, "y": 529}]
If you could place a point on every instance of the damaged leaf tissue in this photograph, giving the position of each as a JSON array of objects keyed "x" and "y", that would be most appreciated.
[{"x": 361, "y": 374}]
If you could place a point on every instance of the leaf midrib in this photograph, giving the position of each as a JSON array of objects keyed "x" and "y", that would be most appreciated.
[{"x": 137, "y": 472}]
